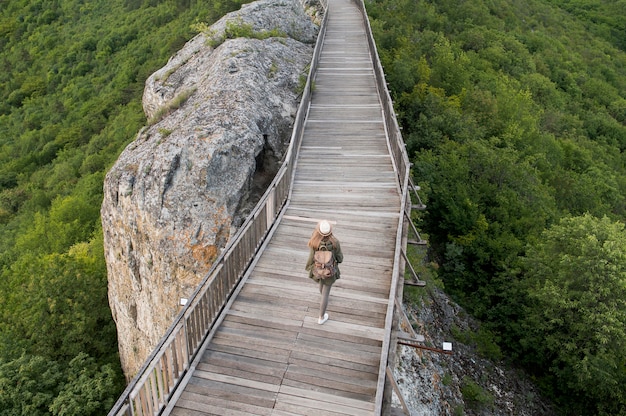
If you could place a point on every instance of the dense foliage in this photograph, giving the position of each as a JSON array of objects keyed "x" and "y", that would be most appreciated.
[
  {"x": 514, "y": 114},
  {"x": 71, "y": 82}
]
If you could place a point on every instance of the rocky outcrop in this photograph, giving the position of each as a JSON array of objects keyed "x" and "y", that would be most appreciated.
[
  {"x": 468, "y": 382},
  {"x": 220, "y": 116}
]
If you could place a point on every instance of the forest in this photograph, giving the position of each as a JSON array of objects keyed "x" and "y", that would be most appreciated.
[
  {"x": 73, "y": 73},
  {"x": 514, "y": 114}
]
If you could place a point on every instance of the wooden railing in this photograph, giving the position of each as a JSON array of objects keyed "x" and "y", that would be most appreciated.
[
  {"x": 402, "y": 168},
  {"x": 151, "y": 389}
]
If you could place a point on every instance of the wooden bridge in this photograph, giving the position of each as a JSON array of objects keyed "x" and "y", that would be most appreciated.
[{"x": 248, "y": 341}]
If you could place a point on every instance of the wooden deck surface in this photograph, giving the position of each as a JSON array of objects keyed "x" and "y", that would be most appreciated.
[{"x": 269, "y": 356}]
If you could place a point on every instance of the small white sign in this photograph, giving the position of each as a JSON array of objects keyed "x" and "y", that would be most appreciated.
[
  {"x": 447, "y": 346},
  {"x": 183, "y": 301}
]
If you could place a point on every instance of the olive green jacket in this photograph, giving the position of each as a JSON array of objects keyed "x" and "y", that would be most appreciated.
[{"x": 336, "y": 249}]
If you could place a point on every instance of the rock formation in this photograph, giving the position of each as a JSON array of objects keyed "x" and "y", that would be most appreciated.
[
  {"x": 220, "y": 116},
  {"x": 468, "y": 382}
]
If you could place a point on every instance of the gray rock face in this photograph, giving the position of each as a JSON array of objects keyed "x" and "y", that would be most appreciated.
[
  {"x": 465, "y": 382},
  {"x": 219, "y": 123}
]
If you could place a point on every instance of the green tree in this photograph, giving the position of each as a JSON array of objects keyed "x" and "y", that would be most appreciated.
[
  {"x": 28, "y": 385},
  {"x": 57, "y": 304},
  {"x": 71, "y": 80},
  {"x": 513, "y": 115},
  {"x": 575, "y": 321},
  {"x": 483, "y": 204},
  {"x": 35, "y": 386},
  {"x": 87, "y": 389}
]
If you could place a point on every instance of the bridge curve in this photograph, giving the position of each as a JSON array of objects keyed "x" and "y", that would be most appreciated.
[{"x": 249, "y": 341}]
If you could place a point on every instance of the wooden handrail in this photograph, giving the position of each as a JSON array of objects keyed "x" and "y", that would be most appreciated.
[{"x": 150, "y": 390}]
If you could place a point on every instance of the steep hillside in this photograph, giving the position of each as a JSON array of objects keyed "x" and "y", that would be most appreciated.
[
  {"x": 514, "y": 114},
  {"x": 475, "y": 379},
  {"x": 72, "y": 77}
]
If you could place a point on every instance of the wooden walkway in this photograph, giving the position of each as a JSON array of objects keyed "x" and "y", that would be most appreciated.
[{"x": 269, "y": 356}]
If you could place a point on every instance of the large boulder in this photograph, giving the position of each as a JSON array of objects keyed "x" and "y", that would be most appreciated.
[{"x": 220, "y": 118}]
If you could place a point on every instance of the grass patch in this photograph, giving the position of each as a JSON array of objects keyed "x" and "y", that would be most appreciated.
[
  {"x": 236, "y": 29},
  {"x": 173, "y": 105},
  {"x": 165, "y": 132},
  {"x": 425, "y": 270},
  {"x": 273, "y": 70},
  {"x": 474, "y": 395}
]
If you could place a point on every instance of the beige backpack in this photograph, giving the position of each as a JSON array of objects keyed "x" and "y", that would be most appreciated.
[{"x": 324, "y": 263}]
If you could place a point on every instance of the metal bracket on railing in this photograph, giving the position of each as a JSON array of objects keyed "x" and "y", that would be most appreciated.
[
  {"x": 424, "y": 347},
  {"x": 415, "y": 279}
]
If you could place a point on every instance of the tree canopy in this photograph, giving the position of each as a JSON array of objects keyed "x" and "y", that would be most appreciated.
[
  {"x": 575, "y": 323},
  {"x": 514, "y": 115},
  {"x": 71, "y": 80}
]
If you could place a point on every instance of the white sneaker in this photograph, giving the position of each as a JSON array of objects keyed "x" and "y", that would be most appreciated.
[{"x": 322, "y": 320}]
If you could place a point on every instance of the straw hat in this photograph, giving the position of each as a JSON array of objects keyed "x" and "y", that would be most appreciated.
[{"x": 324, "y": 228}]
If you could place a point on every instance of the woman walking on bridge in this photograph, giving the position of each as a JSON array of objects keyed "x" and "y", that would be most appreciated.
[{"x": 322, "y": 266}]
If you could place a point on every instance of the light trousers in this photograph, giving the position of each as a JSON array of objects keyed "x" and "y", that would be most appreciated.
[{"x": 325, "y": 292}]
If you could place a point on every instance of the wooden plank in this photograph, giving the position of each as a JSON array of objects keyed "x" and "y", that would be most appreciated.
[
  {"x": 313, "y": 384},
  {"x": 254, "y": 347},
  {"x": 351, "y": 312},
  {"x": 277, "y": 412},
  {"x": 322, "y": 401},
  {"x": 316, "y": 348},
  {"x": 266, "y": 320},
  {"x": 355, "y": 299},
  {"x": 328, "y": 380},
  {"x": 295, "y": 237},
  {"x": 278, "y": 294},
  {"x": 369, "y": 275},
  {"x": 337, "y": 212},
  {"x": 329, "y": 339},
  {"x": 267, "y": 309},
  {"x": 284, "y": 408},
  {"x": 268, "y": 338},
  {"x": 322, "y": 359},
  {"x": 209, "y": 367},
  {"x": 216, "y": 406},
  {"x": 265, "y": 296},
  {"x": 353, "y": 374},
  {"x": 373, "y": 264},
  {"x": 237, "y": 381},
  {"x": 366, "y": 282},
  {"x": 223, "y": 345},
  {"x": 242, "y": 394},
  {"x": 238, "y": 362}
]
